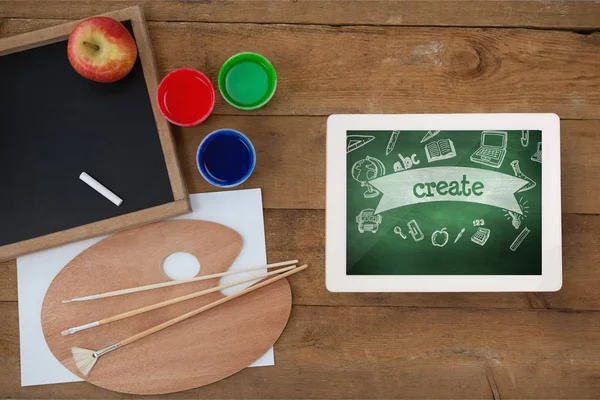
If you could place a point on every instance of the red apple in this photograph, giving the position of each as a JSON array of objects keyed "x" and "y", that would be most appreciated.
[{"x": 101, "y": 49}]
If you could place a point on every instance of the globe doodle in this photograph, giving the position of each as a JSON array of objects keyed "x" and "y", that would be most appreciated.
[{"x": 366, "y": 170}]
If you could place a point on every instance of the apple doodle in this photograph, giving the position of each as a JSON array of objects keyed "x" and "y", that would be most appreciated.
[{"x": 439, "y": 238}]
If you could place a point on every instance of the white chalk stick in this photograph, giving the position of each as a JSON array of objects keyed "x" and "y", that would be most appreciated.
[{"x": 100, "y": 188}]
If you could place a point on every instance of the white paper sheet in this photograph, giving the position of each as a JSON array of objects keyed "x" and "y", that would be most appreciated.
[{"x": 240, "y": 210}]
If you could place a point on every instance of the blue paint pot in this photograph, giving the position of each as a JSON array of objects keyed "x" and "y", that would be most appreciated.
[{"x": 226, "y": 158}]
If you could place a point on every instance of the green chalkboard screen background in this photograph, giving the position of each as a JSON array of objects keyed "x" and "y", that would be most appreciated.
[{"x": 380, "y": 250}]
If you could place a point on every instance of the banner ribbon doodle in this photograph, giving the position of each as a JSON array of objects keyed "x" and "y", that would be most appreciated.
[{"x": 472, "y": 185}]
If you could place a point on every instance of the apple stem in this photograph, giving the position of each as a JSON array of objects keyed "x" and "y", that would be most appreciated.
[{"x": 92, "y": 46}]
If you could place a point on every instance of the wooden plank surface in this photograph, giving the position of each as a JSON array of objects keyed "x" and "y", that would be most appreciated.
[
  {"x": 358, "y": 69},
  {"x": 391, "y": 352},
  {"x": 581, "y": 14},
  {"x": 8, "y": 280},
  {"x": 383, "y": 56}
]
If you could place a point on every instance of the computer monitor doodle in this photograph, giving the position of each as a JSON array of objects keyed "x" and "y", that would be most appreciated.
[
  {"x": 492, "y": 149},
  {"x": 493, "y": 139}
]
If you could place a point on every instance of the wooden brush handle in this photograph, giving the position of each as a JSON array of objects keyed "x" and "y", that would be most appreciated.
[
  {"x": 188, "y": 297},
  {"x": 190, "y": 314},
  {"x": 180, "y": 282}
]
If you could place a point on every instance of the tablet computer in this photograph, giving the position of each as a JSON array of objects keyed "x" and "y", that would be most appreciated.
[{"x": 443, "y": 203}]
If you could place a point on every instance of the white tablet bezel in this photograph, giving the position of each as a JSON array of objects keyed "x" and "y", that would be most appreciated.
[{"x": 335, "y": 257}]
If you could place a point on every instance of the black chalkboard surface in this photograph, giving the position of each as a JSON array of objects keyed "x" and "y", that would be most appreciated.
[{"x": 54, "y": 125}]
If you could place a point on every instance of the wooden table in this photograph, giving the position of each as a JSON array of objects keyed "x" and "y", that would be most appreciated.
[{"x": 383, "y": 57}]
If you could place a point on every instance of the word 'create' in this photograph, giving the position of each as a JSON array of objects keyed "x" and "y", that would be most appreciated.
[{"x": 452, "y": 188}]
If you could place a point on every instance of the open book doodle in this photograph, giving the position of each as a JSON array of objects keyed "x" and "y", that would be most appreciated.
[{"x": 440, "y": 150}]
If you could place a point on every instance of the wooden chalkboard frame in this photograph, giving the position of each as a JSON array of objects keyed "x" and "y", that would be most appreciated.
[{"x": 180, "y": 203}]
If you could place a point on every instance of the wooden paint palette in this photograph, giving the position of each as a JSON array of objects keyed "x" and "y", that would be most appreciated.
[{"x": 193, "y": 353}]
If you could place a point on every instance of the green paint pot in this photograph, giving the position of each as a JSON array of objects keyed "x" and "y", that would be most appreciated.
[{"x": 247, "y": 81}]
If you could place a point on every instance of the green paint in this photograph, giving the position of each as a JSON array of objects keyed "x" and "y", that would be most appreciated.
[
  {"x": 381, "y": 250},
  {"x": 247, "y": 81}
]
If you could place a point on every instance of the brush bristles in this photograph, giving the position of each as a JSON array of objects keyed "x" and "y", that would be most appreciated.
[{"x": 84, "y": 359}]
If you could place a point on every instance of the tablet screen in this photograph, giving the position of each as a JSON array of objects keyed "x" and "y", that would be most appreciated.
[{"x": 436, "y": 202}]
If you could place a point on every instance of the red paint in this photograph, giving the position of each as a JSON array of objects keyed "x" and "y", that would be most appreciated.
[{"x": 186, "y": 97}]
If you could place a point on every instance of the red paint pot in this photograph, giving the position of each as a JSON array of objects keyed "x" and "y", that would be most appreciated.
[{"x": 186, "y": 97}]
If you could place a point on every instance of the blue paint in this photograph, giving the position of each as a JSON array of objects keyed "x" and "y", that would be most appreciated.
[{"x": 226, "y": 158}]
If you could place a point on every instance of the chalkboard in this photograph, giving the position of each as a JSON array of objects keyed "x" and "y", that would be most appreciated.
[
  {"x": 55, "y": 124},
  {"x": 444, "y": 202}
]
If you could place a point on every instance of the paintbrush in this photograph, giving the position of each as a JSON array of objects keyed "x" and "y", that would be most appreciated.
[
  {"x": 165, "y": 303},
  {"x": 177, "y": 282},
  {"x": 85, "y": 359}
]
